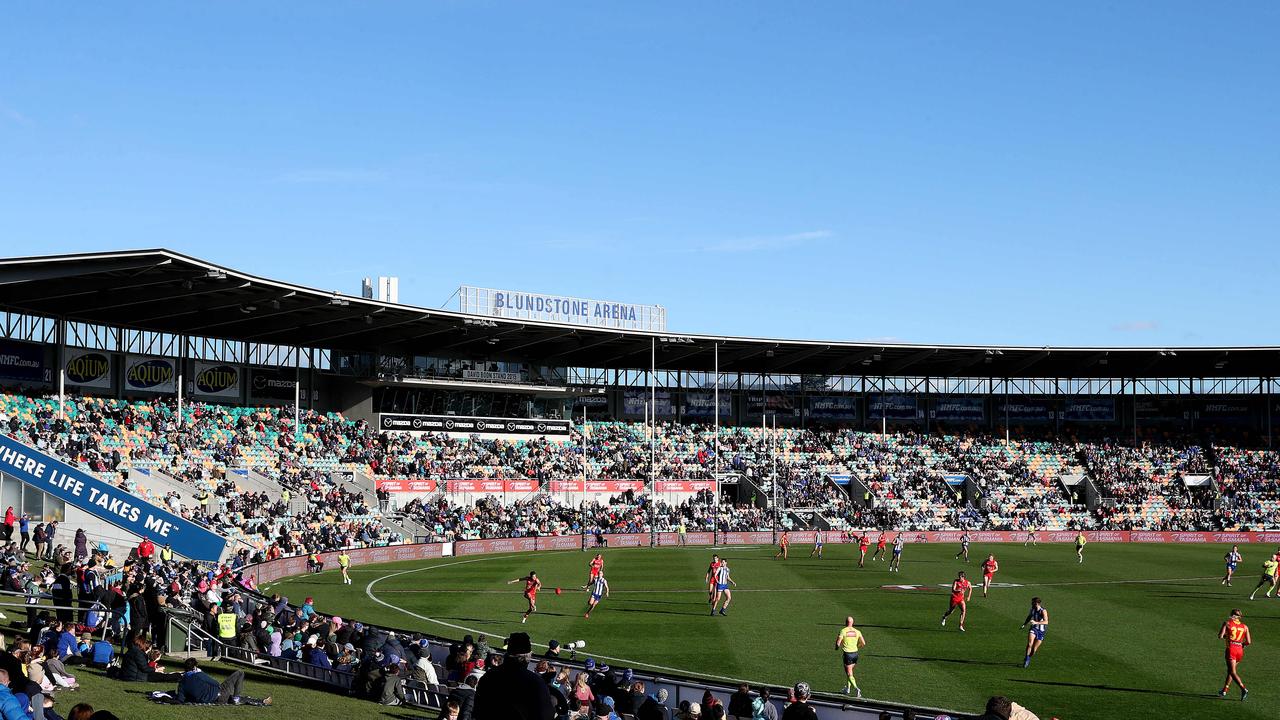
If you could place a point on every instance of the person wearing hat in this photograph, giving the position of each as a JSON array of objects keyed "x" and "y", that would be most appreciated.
[
  {"x": 800, "y": 709},
  {"x": 693, "y": 712},
  {"x": 654, "y": 707},
  {"x": 512, "y": 691}
]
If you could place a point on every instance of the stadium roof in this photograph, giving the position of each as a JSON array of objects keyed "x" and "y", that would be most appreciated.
[{"x": 164, "y": 291}]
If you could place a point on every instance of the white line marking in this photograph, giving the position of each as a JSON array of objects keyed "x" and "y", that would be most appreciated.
[
  {"x": 676, "y": 591},
  {"x": 368, "y": 590}
]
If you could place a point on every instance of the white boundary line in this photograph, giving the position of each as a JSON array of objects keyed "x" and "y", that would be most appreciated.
[{"x": 368, "y": 591}]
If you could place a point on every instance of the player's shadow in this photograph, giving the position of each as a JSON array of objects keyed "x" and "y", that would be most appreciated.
[
  {"x": 1196, "y": 595},
  {"x": 650, "y": 611},
  {"x": 961, "y": 661},
  {"x": 1112, "y": 688}
]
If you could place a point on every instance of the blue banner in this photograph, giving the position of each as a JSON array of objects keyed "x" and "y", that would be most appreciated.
[
  {"x": 110, "y": 503},
  {"x": 1089, "y": 410},
  {"x": 960, "y": 409},
  {"x": 23, "y": 362},
  {"x": 833, "y": 407},
  {"x": 697, "y": 403},
  {"x": 633, "y": 402},
  {"x": 955, "y": 480},
  {"x": 1227, "y": 410},
  {"x": 891, "y": 407},
  {"x": 1025, "y": 410}
]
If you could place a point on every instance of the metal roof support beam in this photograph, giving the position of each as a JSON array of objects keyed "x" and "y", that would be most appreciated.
[
  {"x": 550, "y": 359},
  {"x": 1026, "y": 363},
  {"x": 906, "y": 362},
  {"x": 9, "y": 276},
  {"x": 797, "y": 357},
  {"x": 215, "y": 308}
]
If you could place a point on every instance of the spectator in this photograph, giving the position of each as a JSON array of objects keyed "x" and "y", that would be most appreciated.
[
  {"x": 762, "y": 707},
  {"x": 465, "y": 697},
  {"x": 740, "y": 703},
  {"x": 800, "y": 709},
  {"x": 10, "y": 708},
  {"x": 512, "y": 691},
  {"x": 196, "y": 688}
]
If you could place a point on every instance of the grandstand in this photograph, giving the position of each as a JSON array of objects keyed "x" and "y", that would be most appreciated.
[{"x": 283, "y": 421}]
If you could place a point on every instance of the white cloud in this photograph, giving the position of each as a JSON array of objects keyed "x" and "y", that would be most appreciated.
[
  {"x": 1134, "y": 326},
  {"x": 766, "y": 242},
  {"x": 15, "y": 116}
]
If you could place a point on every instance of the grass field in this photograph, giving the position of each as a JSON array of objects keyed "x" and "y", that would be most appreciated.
[{"x": 1133, "y": 629}]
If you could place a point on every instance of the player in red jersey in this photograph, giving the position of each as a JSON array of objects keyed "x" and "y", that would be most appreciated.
[
  {"x": 989, "y": 569},
  {"x": 711, "y": 578},
  {"x": 531, "y": 587},
  {"x": 879, "y": 553},
  {"x": 595, "y": 568},
  {"x": 784, "y": 541},
  {"x": 863, "y": 543},
  {"x": 961, "y": 592},
  {"x": 1236, "y": 633}
]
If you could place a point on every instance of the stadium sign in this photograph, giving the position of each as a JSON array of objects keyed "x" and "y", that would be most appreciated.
[
  {"x": 22, "y": 361},
  {"x": 112, "y": 504},
  {"x": 88, "y": 368},
  {"x": 217, "y": 380},
  {"x": 272, "y": 383},
  {"x": 470, "y": 425},
  {"x": 568, "y": 309},
  {"x": 150, "y": 374}
]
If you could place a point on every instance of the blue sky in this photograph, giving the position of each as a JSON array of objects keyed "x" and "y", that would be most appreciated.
[{"x": 1086, "y": 173}]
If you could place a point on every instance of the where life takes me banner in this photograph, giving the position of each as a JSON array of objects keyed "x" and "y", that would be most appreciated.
[{"x": 110, "y": 503}]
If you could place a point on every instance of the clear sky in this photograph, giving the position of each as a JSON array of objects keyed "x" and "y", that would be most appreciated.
[{"x": 1029, "y": 173}]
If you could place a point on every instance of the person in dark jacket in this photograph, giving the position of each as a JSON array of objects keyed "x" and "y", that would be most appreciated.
[
  {"x": 740, "y": 702},
  {"x": 512, "y": 691},
  {"x": 197, "y": 688},
  {"x": 82, "y": 544},
  {"x": 465, "y": 696},
  {"x": 133, "y": 666}
]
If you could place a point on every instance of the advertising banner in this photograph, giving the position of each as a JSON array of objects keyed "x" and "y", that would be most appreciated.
[
  {"x": 833, "y": 407},
  {"x": 1227, "y": 410},
  {"x": 698, "y": 403},
  {"x": 685, "y": 486},
  {"x": 108, "y": 502},
  {"x": 634, "y": 399},
  {"x": 1160, "y": 410},
  {"x": 272, "y": 383},
  {"x": 475, "y": 486},
  {"x": 88, "y": 368},
  {"x": 773, "y": 403},
  {"x": 23, "y": 362},
  {"x": 218, "y": 380},
  {"x": 891, "y": 407},
  {"x": 615, "y": 486},
  {"x": 472, "y": 425},
  {"x": 1025, "y": 410},
  {"x": 960, "y": 409},
  {"x": 1089, "y": 409},
  {"x": 406, "y": 485},
  {"x": 491, "y": 376},
  {"x": 150, "y": 374}
]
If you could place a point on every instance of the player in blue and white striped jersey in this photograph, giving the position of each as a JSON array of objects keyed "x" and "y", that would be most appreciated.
[
  {"x": 723, "y": 581},
  {"x": 599, "y": 588}
]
